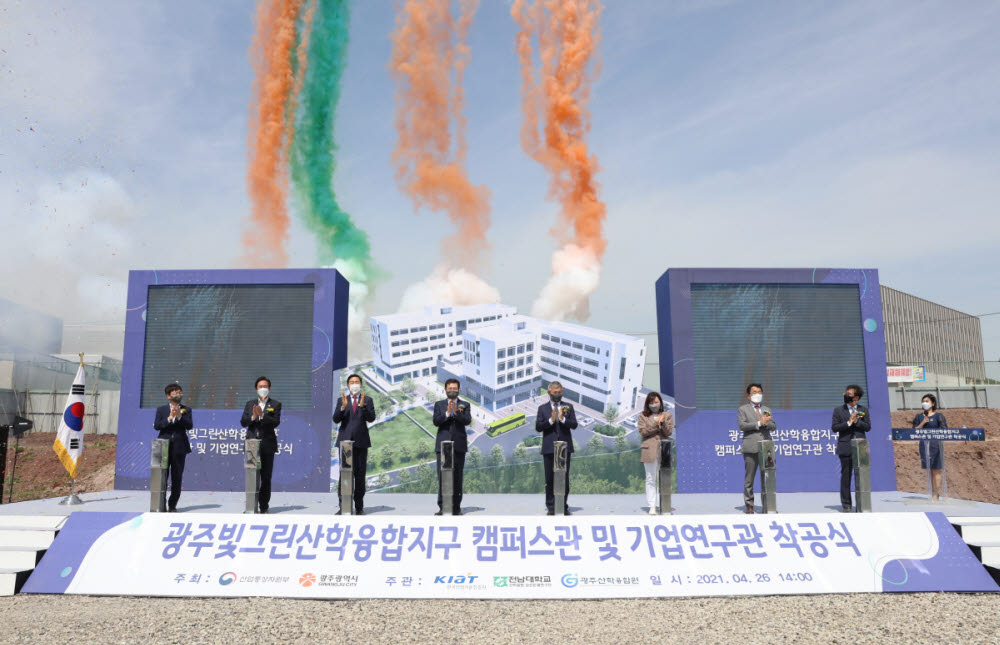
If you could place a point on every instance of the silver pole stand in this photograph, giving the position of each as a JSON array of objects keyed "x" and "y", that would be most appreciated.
[
  {"x": 72, "y": 499},
  {"x": 347, "y": 477},
  {"x": 251, "y": 474},
  {"x": 159, "y": 463},
  {"x": 768, "y": 479},
  {"x": 559, "y": 476},
  {"x": 666, "y": 483},
  {"x": 447, "y": 477},
  {"x": 861, "y": 457}
]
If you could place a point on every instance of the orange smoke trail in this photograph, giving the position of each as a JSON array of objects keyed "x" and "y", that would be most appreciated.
[
  {"x": 429, "y": 56},
  {"x": 264, "y": 241},
  {"x": 556, "y": 122}
]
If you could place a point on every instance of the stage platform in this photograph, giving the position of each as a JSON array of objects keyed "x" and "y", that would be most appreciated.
[{"x": 413, "y": 504}]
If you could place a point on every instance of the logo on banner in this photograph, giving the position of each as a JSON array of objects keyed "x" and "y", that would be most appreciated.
[
  {"x": 499, "y": 581},
  {"x": 227, "y": 578},
  {"x": 467, "y": 579},
  {"x": 570, "y": 580},
  {"x": 307, "y": 579}
]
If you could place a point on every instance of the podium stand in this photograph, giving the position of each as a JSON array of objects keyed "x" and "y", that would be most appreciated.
[
  {"x": 768, "y": 479},
  {"x": 251, "y": 473},
  {"x": 559, "y": 476},
  {"x": 447, "y": 465},
  {"x": 861, "y": 459},
  {"x": 159, "y": 464},
  {"x": 346, "y": 484},
  {"x": 666, "y": 475}
]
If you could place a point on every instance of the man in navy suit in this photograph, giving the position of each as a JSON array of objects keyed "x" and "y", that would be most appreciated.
[
  {"x": 261, "y": 417},
  {"x": 172, "y": 421},
  {"x": 850, "y": 421},
  {"x": 451, "y": 417},
  {"x": 354, "y": 412},
  {"x": 555, "y": 420}
]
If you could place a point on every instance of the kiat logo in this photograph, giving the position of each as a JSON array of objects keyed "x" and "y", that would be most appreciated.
[
  {"x": 570, "y": 580},
  {"x": 307, "y": 579},
  {"x": 227, "y": 578},
  {"x": 467, "y": 579}
]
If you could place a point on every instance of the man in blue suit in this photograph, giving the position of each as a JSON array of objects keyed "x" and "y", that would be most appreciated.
[
  {"x": 172, "y": 421},
  {"x": 261, "y": 417},
  {"x": 555, "y": 420},
  {"x": 850, "y": 421},
  {"x": 354, "y": 412},
  {"x": 451, "y": 417}
]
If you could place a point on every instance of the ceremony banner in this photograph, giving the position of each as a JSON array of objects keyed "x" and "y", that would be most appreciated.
[{"x": 505, "y": 557}]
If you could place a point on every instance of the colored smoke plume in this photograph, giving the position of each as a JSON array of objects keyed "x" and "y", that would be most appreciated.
[
  {"x": 429, "y": 57},
  {"x": 556, "y": 122},
  {"x": 265, "y": 239},
  {"x": 341, "y": 243}
]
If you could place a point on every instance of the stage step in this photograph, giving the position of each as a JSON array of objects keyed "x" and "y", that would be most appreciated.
[
  {"x": 41, "y": 522},
  {"x": 977, "y": 530},
  {"x": 11, "y": 580},
  {"x": 987, "y": 552},
  {"x": 19, "y": 557},
  {"x": 26, "y": 537}
]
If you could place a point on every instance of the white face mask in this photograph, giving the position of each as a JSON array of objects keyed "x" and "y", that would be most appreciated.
[
  {"x": 262, "y": 392},
  {"x": 354, "y": 388},
  {"x": 654, "y": 407},
  {"x": 927, "y": 405},
  {"x": 757, "y": 398}
]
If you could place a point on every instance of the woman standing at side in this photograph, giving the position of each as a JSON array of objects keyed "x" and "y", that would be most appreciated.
[
  {"x": 654, "y": 424},
  {"x": 931, "y": 451}
]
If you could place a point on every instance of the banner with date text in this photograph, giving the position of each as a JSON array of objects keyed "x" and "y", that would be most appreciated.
[{"x": 384, "y": 556}]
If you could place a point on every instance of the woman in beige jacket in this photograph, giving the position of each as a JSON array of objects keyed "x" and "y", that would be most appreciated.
[{"x": 655, "y": 423}]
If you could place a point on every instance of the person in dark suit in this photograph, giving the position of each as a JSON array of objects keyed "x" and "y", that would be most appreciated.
[
  {"x": 555, "y": 420},
  {"x": 172, "y": 421},
  {"x": 850, "y": 421},
  {"x": 354, "y": 412},
  {"x": 451, "y": 417},
  {"x": 261, "y": 417},
  {"x": 756, "y": 423}
]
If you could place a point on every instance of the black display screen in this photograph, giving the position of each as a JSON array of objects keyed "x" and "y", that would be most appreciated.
[
  {"x": 802, "y": 342},
  {"x": 216, "y": 339}
]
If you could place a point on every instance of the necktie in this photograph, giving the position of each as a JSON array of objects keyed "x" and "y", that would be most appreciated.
[
  {"x": 354, "y": 403},
  {"x": 757, "y": 410}
]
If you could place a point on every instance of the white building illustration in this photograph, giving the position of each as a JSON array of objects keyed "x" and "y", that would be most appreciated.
[{"x": 502, "y": 358}]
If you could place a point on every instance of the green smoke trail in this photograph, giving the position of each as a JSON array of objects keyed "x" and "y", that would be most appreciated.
[{"x": 313, "y": 151}]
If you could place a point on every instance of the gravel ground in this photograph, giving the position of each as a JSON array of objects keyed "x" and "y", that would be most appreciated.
[{"x": 885, "y": 619}]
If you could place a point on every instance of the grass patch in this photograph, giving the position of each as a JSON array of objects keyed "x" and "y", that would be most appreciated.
[
  {"x": 400, "y": 442},
  {"x": 609, "y": 430}
]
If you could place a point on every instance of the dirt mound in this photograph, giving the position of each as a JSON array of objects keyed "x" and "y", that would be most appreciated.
[
  {"x": 40, "y": 474},
  {"x": 972, "y": 470}
]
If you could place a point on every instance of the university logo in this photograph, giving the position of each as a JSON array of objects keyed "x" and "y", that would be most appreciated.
[{"x": 499, "y": 581}]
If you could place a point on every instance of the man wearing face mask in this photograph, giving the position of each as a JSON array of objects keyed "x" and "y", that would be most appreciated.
[
  {"x": 555, "y": 420},
  {"x": 756, "y": 423},
  {"x": 261, "y": 417},
  {"x": 850, "y": 421},
  {"x": 172, "y": 421},
  {"x": 354, "y": 412},
  {"x": 451, "y": 417}
]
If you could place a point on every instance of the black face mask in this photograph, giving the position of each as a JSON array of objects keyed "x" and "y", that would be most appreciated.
[
  {"x": 556, "y": 398},
  {"x": 452, "y": 395},
  {"x": 848, "y": 399}
]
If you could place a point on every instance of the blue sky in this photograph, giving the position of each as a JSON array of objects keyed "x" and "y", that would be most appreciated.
[{"x": 729, "y": 134}]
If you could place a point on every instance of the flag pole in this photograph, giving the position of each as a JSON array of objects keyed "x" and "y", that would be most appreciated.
[{"x": 72, "y": 499}]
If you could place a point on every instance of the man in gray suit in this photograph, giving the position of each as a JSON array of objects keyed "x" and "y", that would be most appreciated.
[{"x": 756, "y": 423}]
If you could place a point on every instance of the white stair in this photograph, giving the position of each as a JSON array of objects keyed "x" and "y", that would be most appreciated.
[
  {"x": 982, "y": 534},
  {"x": 11, "y": 580},
  {"x": 19, "y": 557},
  {"x": 23, "y": 540}
]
